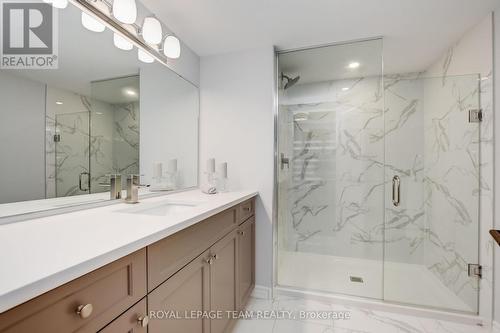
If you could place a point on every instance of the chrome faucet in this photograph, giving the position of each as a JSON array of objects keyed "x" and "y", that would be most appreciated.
[
  {"x": 115, "y": 190},
  {"x": 133, "y": 186},
  {"x": 115, "y": 186}
]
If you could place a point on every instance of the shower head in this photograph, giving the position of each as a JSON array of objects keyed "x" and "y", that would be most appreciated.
[{"x": 290, "y": 82}]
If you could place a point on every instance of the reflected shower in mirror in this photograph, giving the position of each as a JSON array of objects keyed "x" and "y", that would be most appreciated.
[{"x": 64, "y": 131}]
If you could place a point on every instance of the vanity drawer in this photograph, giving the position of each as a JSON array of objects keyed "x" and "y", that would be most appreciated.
[
  {"x": 246, "y": 210},
  {"x": 135, "y": 320},
  {"x": 101, "y": 296},
  {"x": 169, "y": 255}
]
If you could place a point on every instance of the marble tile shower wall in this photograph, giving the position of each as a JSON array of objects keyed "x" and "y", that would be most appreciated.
[
  {"x": 336, "y": 176},
  {"x": 335, "y": 182},
  {"x": 451, "y": 182},
  {"x": 462, "y": 71},
  {"x": 113, "y": 145}
]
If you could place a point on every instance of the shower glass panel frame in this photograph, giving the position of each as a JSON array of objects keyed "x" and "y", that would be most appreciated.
[{"x": 369, "y": 186}]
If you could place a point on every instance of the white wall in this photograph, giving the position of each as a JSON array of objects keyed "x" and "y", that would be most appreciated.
[
  {"x": 237, "y": 126},
  {"x": 169, "y": 109},
  {"x": 22, "y": 137}
]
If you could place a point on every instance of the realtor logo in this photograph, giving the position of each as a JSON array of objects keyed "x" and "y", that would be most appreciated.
[{"x": 29, "y": 39}]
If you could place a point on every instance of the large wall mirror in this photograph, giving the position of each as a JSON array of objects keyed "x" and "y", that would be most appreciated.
[{"x": 102, "y": 111}]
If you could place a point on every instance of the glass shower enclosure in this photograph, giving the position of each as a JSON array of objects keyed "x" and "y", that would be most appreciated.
[
  {"x": 94, "y": 136},
  {"x": 377, "y": 179}
]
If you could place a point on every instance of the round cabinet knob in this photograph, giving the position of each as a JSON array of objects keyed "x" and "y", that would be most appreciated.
[
  {"x": 84, "y": 311},
  {"x": 143, "y": 321},
  {"x": 242, "y": 233}
]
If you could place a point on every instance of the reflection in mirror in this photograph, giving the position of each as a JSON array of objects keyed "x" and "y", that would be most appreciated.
[
  {"x": 90, "y": 137},
  {"x": 64, "y": 131}
]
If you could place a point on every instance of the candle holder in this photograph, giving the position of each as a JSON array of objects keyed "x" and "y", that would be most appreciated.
[{"x": 222, "y": 184}]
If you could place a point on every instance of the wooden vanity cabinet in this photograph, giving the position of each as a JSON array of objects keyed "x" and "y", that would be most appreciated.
[
  {"x": 134, "y": 320},
  {"x": 223, "y": 280},
  {"x": 207, "y": 268},
  {"x": 246, "y": 261},
  {"x": 171, "y": 304},
  {"x": 86, "y": 304},
  {"x": 168, "y": 255}
]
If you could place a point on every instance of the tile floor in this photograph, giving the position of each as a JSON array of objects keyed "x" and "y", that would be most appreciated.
[{"x": 361, "y": 321}]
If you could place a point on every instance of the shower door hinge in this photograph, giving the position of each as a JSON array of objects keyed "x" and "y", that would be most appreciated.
[
  {"x": 475, "y": 270},
  {"x": 57, "y": 137},
  {"x": 475, "y": 116}
]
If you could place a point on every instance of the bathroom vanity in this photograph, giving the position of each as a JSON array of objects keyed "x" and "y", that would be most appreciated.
[{"x": 191, "y": 252}]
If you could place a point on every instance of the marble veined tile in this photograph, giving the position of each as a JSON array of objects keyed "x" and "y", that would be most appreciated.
[{"x": 362, "y": 320}]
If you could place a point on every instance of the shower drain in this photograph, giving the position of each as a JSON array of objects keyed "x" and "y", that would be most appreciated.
[{"x": 356, "y": 279}]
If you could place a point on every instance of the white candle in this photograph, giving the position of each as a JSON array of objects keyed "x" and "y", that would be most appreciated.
[
  {"x": 223, "y": 170},
  {"x": 211, "y": 165},
  {"x": 157, "y": 170},
  {"x": 172, "y": 166}
]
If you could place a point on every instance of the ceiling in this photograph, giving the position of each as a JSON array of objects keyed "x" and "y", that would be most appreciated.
[
  {"x": 416, "y": 32},
  {"x": 117, "y": 91},
  {"x": 332, "y": 63}
]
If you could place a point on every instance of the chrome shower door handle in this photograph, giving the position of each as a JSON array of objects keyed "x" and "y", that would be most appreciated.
[
  {"x": 284, "y": 160},
  {"x": 80, "y": 181},
  {"x": 396, "y": 191}
]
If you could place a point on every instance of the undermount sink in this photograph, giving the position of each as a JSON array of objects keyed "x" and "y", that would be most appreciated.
[{"x": 161, "y": 208}]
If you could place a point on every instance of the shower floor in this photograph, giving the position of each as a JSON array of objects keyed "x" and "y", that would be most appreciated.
[{"x": 404, "y": 283}]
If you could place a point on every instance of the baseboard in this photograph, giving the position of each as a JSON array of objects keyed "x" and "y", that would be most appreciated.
[
  {"x": 496, "y": 327},
  {"x": 261, "y": 292}
]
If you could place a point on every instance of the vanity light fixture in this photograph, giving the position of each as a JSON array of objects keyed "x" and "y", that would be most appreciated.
[
  {"x": 125, "y": 11},
  {"x": 145, "y": 56},
  {"x": 151, "y": 30},
  {"x": 61, "y": 4},
  {"x": 122, "y": 43},
  {"x": 353, "y": 65},
  {"x": 59, "y": 103},
  {"x": 172, "y": 47},
  {"x": 345, "y": 89},
  {"x": 90, "y": 23}
]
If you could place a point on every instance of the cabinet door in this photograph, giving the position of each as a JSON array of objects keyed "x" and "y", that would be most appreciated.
[
  {"x": 84, "y": 305},
  {"x": 135, "y": 320},
  {"x": 169, "y": 255},
  {"x": 172, "y": 304},
  {"x": 223, "y": 271},
  {"x": 246, "y": 261}
]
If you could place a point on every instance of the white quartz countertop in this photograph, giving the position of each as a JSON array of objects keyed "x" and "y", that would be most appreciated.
[{"x": 41, "y": 254}]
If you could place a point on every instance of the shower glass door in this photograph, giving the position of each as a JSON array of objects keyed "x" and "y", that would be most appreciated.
[
  {"x": 331, "y": 169},
  {"x": 72, "y": 142},
  {"x": 432, "y": 160}
]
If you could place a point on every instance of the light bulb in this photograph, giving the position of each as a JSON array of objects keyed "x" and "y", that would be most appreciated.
[
  {"x": 61, "y": 4},
  {"x": 122, "y": 43},
  {"x": 172, "y": 47},
  {"x": 145, "y": 57},
  {"x": 125, "y": 11},
  {"x": 152, "y": 31},
  {"x": 92, "y": 23}
]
